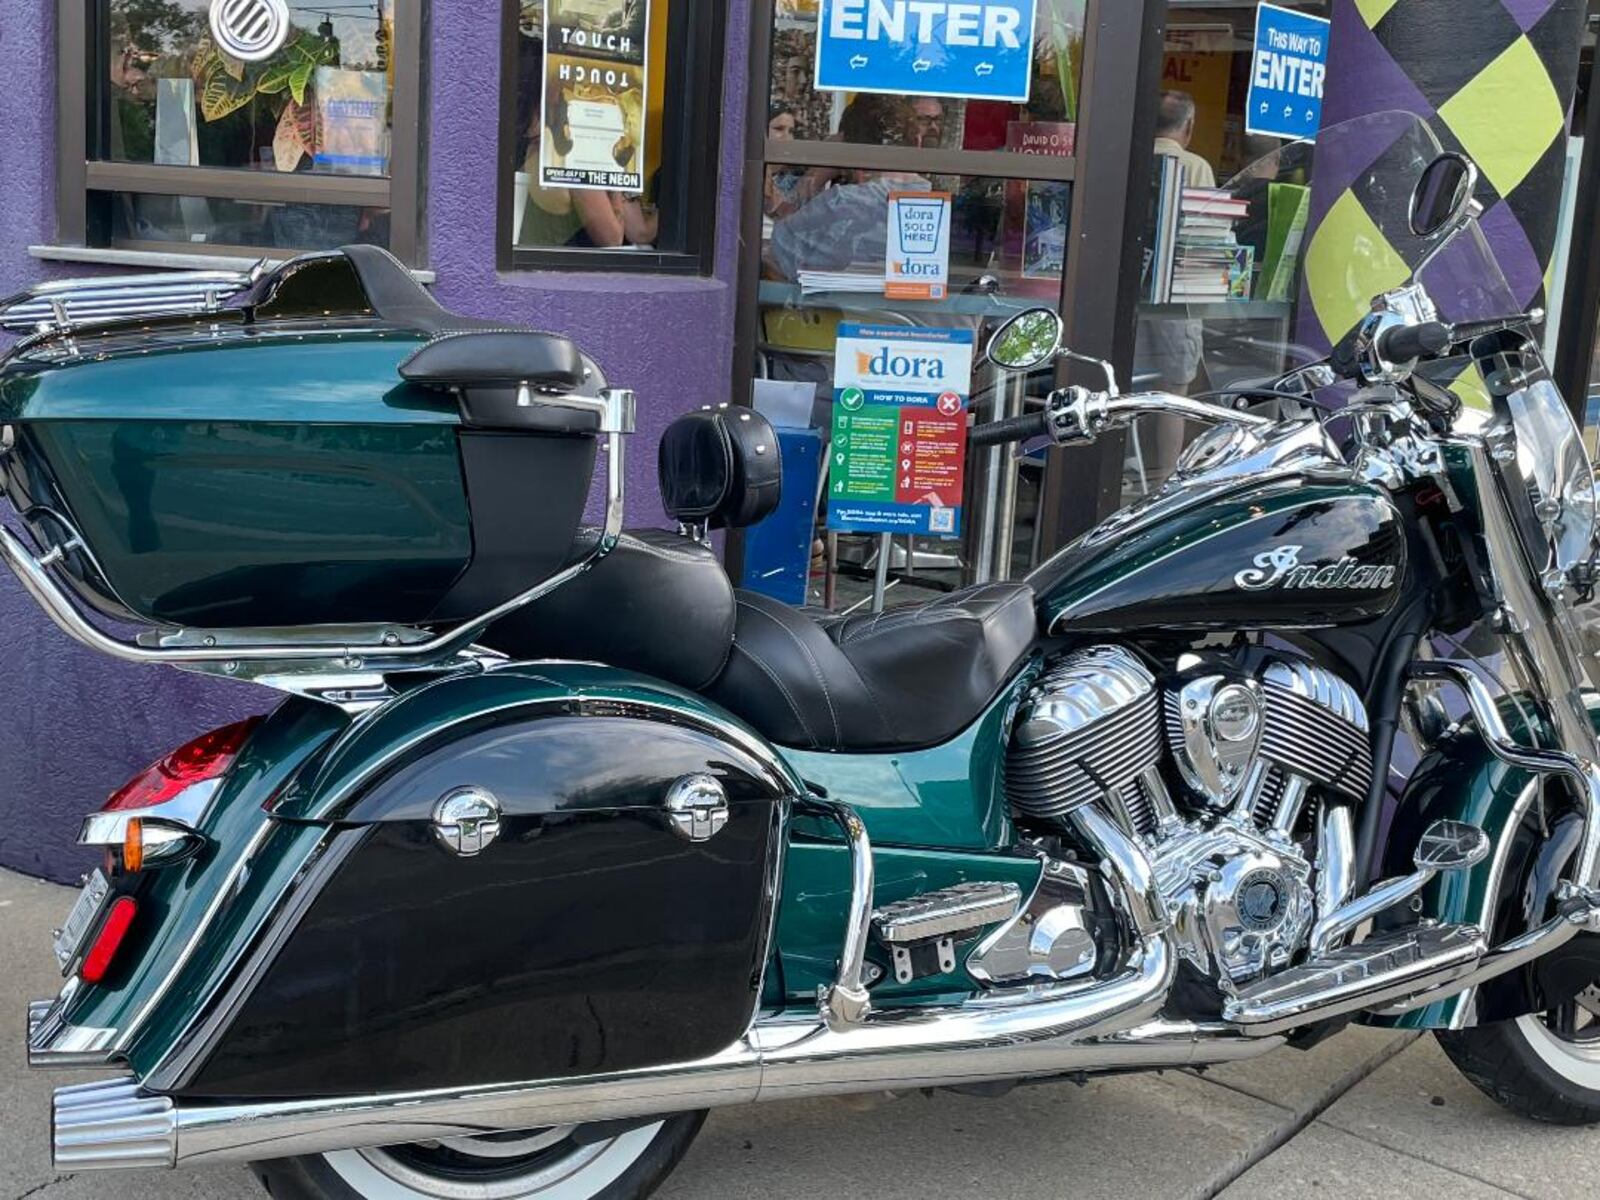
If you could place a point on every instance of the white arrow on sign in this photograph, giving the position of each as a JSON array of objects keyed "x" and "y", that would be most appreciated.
[
  {"x": 984, "y": 68},
  {"x": 921, "y": 65},
  {"x": 859, "y": 61}
]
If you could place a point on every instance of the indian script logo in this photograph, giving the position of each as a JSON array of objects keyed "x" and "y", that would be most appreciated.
[{"x": 1282, "y": 568}]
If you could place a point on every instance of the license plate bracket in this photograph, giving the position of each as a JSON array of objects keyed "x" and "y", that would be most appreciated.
[{"x": 75, "y": 929}]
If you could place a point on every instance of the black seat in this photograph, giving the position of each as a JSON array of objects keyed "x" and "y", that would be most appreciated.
[
  {"x": 659, "y": 603},
  {"x": 905, "y": 678}
]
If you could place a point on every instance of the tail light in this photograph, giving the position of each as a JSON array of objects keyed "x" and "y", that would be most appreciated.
[
  {"x": 153, "y": 819},
  {"x": 207, "y": 757},
  {"x": 103, "y": 950}
]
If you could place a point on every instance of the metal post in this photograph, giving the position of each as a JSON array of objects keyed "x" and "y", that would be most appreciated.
[
  {"x": 880, "y": 578},
  {"x": 1012, "y": 401}
]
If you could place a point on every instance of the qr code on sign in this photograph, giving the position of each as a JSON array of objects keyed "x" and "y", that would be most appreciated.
[{"x": 941, "y": 520}]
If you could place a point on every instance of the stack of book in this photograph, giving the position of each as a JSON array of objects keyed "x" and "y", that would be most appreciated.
[{"x": 1208, "y": 262}]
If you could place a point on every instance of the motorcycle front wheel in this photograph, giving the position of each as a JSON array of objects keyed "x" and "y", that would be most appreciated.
[
  {"x": 542, "y": 1164},
  {"x": 1545, "y": 1066}
]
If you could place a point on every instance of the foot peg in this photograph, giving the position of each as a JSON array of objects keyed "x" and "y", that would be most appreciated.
[
  {"x": 1445, "y": 846},
  {"x": 921, "y": 933},
  {"x": 1383, "y": 968}
]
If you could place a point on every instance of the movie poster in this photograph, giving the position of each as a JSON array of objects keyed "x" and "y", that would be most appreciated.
[{"x": 594, "y": 94}]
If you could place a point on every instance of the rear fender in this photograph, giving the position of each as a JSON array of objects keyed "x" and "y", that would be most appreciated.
[{"x": 197, "y": 917}]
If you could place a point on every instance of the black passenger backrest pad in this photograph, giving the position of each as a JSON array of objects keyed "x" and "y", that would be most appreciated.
[
  {"x": 720, "y": 466},
  {"x": 496, "y": 357}
]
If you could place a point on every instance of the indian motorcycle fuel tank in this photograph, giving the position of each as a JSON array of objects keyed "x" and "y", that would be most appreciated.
[{"x": 1288, "y": 552}]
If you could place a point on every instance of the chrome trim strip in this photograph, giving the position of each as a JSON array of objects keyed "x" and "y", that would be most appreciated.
[
  {"x": 846, "y": 1004},
  {"x": 185, "y": 811},
  {"x": 1029, "y": 1033},
  {"x": 53, "y": 1042}
]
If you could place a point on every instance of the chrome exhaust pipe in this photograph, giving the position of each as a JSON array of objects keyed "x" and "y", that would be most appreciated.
[
  {"x": 1030, "y": 1033},
  {"x": 1102, "y": 1026}
]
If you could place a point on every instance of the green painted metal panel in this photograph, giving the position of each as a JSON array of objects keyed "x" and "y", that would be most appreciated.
[
  {"x": 1460, "y": 780},
  {"x": 816, "y": 897},
  {"x": 949, "y": 796},
  {"x": 294, "y": 375},
  {"x": 435, "y": 709}
]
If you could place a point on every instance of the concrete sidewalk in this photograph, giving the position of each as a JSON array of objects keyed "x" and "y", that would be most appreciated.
[{"x": 1368, "y": 1114}]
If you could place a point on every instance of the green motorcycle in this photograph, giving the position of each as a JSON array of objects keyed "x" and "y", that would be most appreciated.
[{"x": 557, "y": 841}]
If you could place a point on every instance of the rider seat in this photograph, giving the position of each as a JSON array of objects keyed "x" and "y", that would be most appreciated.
[{"x": 660, "y": 603}]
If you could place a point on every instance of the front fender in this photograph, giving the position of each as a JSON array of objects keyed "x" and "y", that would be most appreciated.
[{"x": 1535, "y": 831}]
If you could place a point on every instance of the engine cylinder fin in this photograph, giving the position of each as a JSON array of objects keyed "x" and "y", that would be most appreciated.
[
  {"x": 1090, "y": 727},
  {"x": 1305, "y": 738}
]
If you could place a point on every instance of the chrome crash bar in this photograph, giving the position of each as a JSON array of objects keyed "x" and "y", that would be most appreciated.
[
  {"x": 243, "y": 653},
  {"x": 1582, "y": 771}
]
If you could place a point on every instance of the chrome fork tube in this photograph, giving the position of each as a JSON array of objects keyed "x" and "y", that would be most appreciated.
[{"x": 1542, "y": 646}]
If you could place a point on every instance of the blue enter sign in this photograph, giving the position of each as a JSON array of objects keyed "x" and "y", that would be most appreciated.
[
  {"x": 1287, "y": 74},
  {"x": 966, "y": 49}
]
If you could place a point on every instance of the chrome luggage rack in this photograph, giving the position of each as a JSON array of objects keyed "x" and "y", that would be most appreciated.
[
  {"x": 341, "y": 664},
  {"x": 72, "y": 303}
]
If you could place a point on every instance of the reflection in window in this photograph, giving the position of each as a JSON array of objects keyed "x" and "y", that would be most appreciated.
[
  {"x": 140, "y": 221},
  {"x": 828, "y": 226},
  {"x": 320, "y": 104}
]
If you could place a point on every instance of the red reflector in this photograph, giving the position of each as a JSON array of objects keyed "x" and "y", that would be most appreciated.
[
  {"x": 106, "y": 943},
  {"x": 207, "y": 757}
]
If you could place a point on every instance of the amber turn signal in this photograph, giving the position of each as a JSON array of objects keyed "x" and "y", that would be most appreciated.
[{"x": 133, "y": 846}]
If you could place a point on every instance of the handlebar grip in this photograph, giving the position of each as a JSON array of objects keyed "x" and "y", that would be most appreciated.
[
  {"x": 1416, "y": 341},
  {"x": 1010, "y": 429}
]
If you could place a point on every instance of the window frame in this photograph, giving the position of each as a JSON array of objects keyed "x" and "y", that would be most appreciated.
[
  {"x": 81, "y": 49},
  {"x": 691, "y": 144}
]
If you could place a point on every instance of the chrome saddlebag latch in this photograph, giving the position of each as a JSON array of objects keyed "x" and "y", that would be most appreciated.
[
  {"x": 467, "y": 821},
  {"x": 698, "y": 807}
]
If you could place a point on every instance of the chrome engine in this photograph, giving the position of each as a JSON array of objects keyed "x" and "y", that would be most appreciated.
[{"x": 1210, "y": 770}]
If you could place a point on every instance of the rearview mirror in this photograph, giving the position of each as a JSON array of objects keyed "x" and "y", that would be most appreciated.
[
  {"x": 1443, "y": 198},
  {"x": 1029, "y": 339}
]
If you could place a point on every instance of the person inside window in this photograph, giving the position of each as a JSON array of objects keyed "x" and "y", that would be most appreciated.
[
  {"x": 845, "y": 222},
  {"x": 924, "y": 123},
  {"x": 1174, "y": 131}
]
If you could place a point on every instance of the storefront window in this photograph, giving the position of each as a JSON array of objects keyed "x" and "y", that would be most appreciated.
[
  {"x": 610, "y": 133},
  {"x": 195, "y": 140},
  {"x": 319, "y": 103},
  {"x": 978, "y": 190},
  {"x": 1227, "y": 209}
]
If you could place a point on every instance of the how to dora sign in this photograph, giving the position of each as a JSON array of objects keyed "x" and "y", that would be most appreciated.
[{"x": 898, "y": 453}]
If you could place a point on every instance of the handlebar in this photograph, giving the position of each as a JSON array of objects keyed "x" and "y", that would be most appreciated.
[
  {"x": 1411, "y": 342},
  {"x": 1076, "y": 415},
  {"x": 1010, "y": 429}
]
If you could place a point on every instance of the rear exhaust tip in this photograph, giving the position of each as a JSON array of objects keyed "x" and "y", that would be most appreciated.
[
  {"x": 38, "y": 1010},
  {"x": 112, "y": 1126}
]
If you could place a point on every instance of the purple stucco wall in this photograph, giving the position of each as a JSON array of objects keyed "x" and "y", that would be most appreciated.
[{"x": 74, "y": 725}]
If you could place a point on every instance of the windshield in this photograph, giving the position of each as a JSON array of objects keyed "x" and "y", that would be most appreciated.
[{"x": 1271, "y": 269}]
